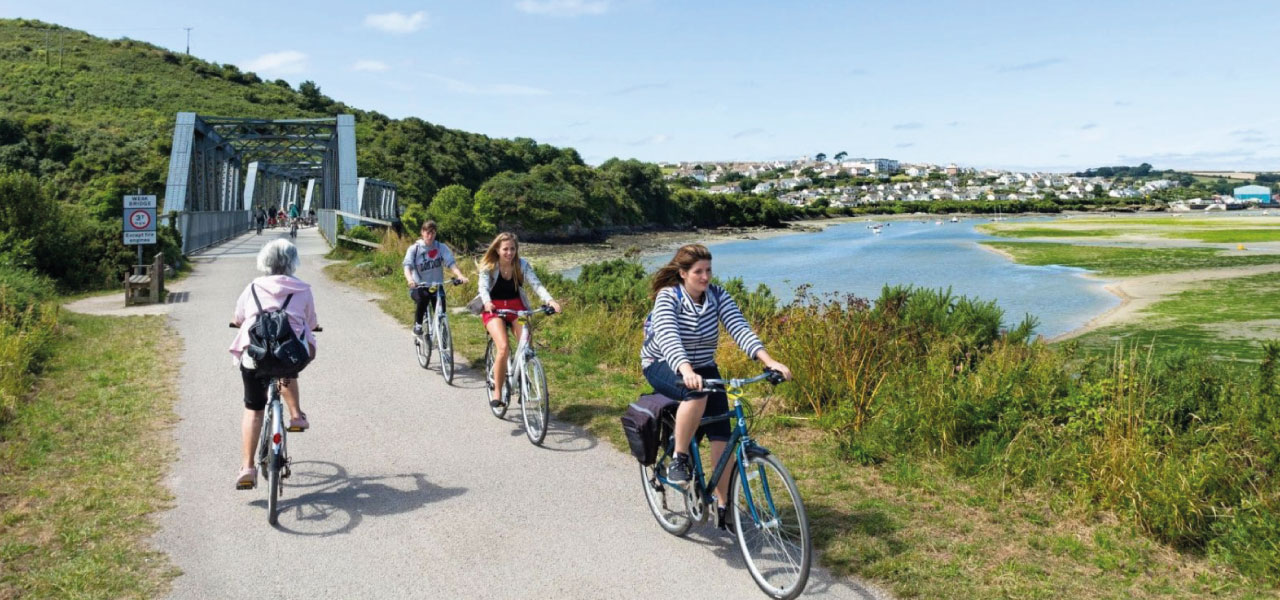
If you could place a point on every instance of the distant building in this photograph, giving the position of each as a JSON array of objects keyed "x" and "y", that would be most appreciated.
[
  {"x": 952, "y": 169},
  {"x": 1253, "y": 193}
]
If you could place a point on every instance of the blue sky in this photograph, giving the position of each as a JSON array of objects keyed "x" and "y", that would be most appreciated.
[{"x": 1031, "y": 85}]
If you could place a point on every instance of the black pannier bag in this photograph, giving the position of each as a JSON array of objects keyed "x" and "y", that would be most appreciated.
[
  {"x": 643, "y": 423},
  {"x": 273, "y": 344}
]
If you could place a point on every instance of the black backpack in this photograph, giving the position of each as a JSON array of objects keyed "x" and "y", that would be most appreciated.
[
  {"x": 647, "y": 424},
  {"x": 274, "y": 346}
]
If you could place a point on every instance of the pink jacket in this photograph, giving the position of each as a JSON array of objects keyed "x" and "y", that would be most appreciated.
[{"x": 272, "y": 290}]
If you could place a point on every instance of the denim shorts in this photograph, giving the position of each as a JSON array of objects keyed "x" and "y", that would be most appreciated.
[{"x": 671, "y": 384}]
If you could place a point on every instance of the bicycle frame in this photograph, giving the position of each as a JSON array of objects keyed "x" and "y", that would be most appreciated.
[
  {"x": 273, "y": 430},
  {"x": 437, "y": 312},
  {"x": 738, "y": 447},
  {"x": 517, "y": 359}
]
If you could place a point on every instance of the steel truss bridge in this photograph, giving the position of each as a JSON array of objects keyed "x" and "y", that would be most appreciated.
[{"x": 221, "y": 169}]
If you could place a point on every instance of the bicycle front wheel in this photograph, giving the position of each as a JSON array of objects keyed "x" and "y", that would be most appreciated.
[
  {"x": 444, "y": 338},
  {"x": 665, "y": 501},
  {"x": 771, "y": 527},
  {"x": 490, "y": 385},
  {"x": 535, "y": 404}
]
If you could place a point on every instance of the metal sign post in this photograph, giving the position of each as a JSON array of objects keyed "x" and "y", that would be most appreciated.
[{"x": 139, "y": 221}]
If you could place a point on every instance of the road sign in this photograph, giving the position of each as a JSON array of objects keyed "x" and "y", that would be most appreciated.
[
  {"x": 140, "y": 201},
  {"x": 139, "y": 220}
]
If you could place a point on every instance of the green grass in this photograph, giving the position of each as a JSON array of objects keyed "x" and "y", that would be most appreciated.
[
  {"x": 1228, "y": 236},
  {"x": 81, "y": 465},
  {"x": 1228, "y": 318},
  {"x": 1225, "y": 230},
  {"x": 1048, "y": 231},
  {"x": 1117, "y": 261}
]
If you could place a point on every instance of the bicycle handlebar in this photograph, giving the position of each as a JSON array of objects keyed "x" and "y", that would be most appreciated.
[
  {"x": 316, "y": 329},
  {"x": 719, "y": 385},
  {"x": 545, "y": 309},
  {"x": 454, "y": 281}
]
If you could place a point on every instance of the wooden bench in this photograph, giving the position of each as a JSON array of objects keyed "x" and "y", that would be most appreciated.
[{"x": 144, "y": 283}]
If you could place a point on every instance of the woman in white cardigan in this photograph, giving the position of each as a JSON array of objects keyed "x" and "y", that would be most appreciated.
[{"x": 502, "y": 280}]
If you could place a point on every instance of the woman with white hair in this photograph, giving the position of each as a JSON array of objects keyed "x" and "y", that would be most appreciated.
[{"x": 277, "y": 261}]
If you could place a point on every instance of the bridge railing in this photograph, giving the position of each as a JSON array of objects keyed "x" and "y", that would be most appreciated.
[
  {"x": 203, "y": 229},
  {"x": 327, "y": 222},
  {"x": 327, "y": 219}
]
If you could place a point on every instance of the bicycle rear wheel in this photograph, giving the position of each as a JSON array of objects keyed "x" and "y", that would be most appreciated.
[
  {"x": 422, "y": 349},
  {"x": 498, "y": 411},
  {"x": 444, "y": 338},
  {"x": 771, "y": 526},
  {"x": 276, "y": 464},
  {"x": 665, "y": 502},
  {"x": 535, "y": 405}
]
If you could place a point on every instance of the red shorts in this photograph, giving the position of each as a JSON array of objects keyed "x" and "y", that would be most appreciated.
[{"x": 514, "y": 304}]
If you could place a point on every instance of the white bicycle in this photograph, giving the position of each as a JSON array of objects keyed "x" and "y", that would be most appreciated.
[
  {"x": 436, "y": 329},
  {"x": 524, "y": 371}
]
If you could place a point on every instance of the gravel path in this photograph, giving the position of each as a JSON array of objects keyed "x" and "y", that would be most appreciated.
[{"x": 405, "y": 487}]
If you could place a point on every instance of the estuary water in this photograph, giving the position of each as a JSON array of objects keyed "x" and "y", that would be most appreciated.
[{"x": 852, "y": 258}]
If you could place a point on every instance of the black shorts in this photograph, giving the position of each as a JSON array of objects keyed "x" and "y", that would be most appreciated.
[
  {"x": 255, "y": 388},
  {"x": 671, "y": 384}
]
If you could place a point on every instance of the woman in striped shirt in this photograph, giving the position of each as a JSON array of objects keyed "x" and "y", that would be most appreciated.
[{"x": 680, "y": 347}]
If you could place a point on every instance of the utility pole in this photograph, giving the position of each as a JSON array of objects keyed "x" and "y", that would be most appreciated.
[{"x": 188, "y": 39}]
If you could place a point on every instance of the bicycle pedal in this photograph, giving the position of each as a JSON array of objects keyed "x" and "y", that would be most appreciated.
[
  {"x": 292, "y": 429},
  {"x": 240, "y": 485}
]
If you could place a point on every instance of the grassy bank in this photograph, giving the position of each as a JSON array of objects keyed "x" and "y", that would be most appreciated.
[
  {"x": 1128, "y": 261},
  {"x": 81, "y": 462},
  {"x": 1225, "y": 230},
  {"x": 944, "y": 457},
  {"x": 1229, "y": 319}
]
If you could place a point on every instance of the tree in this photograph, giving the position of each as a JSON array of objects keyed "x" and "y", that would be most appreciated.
[
  {"x": 820, "y": 157},
  {"x": 312, "y": 99},
  {"x": 454, "y": 213},
  {"x": 841, "y": 155}
]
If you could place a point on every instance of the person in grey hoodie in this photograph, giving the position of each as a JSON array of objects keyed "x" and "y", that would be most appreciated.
[{"x": 277, "y": 261}]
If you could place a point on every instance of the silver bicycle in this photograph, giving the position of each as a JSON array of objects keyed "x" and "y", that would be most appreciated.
[
  {"x": 272, "y": 453},
  {"x": 436, "y": 329},
  {"x": 524, "y": 371}
]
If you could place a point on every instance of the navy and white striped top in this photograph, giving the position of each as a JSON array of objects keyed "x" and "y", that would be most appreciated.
[{"x": 681, "y": 332}]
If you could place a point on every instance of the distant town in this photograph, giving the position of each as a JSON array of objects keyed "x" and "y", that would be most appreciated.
[{"x": 851, "y": 182}]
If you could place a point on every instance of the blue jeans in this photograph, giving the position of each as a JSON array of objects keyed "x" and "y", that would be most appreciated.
[{"x": 671, "y": 384}]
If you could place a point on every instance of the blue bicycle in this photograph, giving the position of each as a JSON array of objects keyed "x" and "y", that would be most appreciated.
[{"x": 767, "y": 515}]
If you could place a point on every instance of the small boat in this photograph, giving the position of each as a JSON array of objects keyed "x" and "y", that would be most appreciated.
[
  {"x": 955, "y": 220},
  {"x": 938, "y": 222}
]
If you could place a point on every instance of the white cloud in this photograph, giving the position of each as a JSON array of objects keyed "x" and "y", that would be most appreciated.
[
  {"x": 499, "y": 89},
  {"x": 282, "y": 63},
  {"x": 394, "y": 22},
  {"x": 563, "y": 8},
  {"x": 375, "y": 66}
]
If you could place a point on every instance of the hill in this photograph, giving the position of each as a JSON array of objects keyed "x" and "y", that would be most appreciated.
[{"x": 87, "y": 120}]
